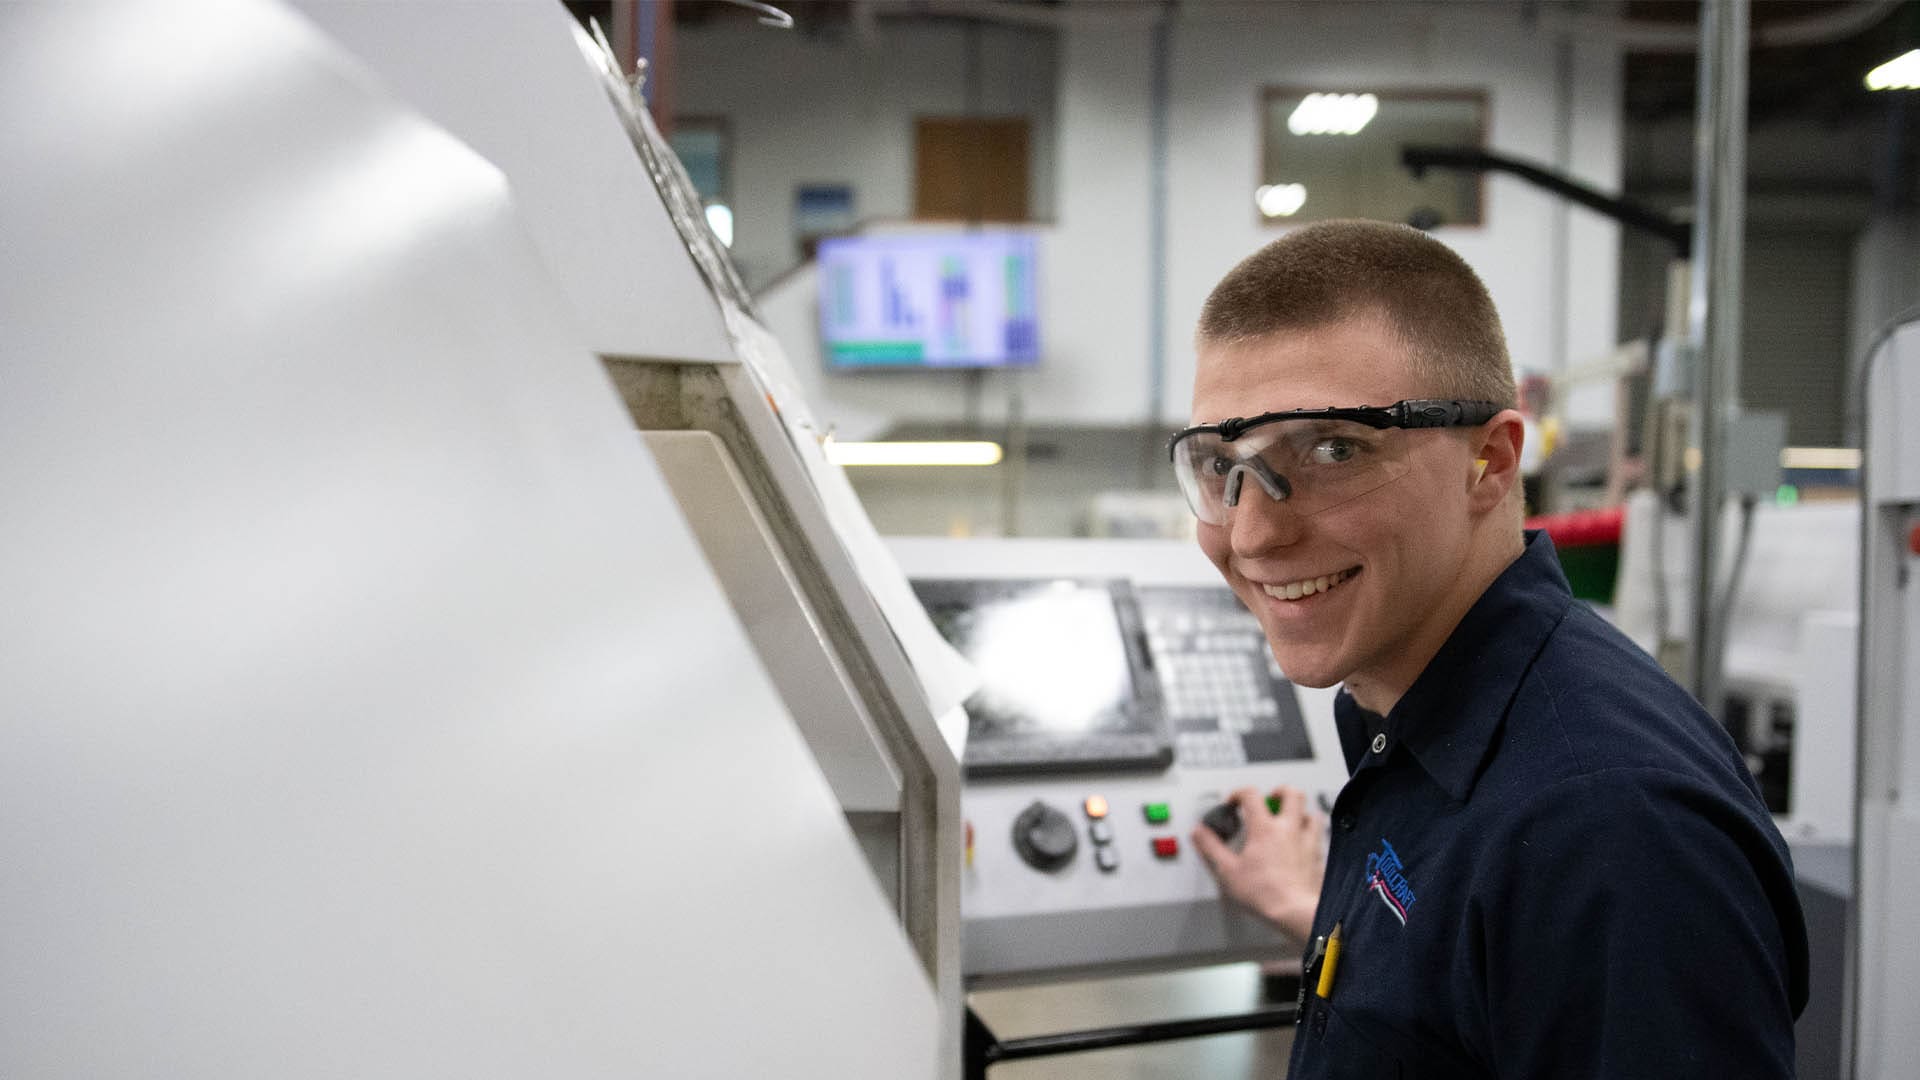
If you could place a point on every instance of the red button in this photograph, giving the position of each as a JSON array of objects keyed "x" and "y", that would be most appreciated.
[
  {"x": 1166, "y": 846},
  {"x": 1913, "y": 540}
]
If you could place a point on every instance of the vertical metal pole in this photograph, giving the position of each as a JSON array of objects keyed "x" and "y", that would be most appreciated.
[
  {"x": 1159, "y": 61},
  {"x": 1560, "y": 243},
  {"x": 1720, "y": 210}
]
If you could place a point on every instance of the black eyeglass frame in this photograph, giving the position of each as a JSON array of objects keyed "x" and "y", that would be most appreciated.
[{"x": 1411, "y": 413}]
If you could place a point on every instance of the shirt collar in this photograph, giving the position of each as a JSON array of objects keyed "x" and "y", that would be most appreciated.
[{"x": 1448, "y": 718}]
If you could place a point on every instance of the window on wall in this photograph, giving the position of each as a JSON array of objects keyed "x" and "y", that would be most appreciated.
[{"x": 1336, "y": 154}]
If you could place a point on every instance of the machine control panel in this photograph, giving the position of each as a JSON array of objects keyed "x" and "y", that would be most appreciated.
[
  {"x": 1127, "y": 891},
  {"x": 1123, "y": 889}
]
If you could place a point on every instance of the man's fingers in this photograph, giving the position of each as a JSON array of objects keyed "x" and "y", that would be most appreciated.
[
  {"x": 1293, "y": 805},
  {"x": 1218, "y": 855},
  {"x": 1253, "y": 809}
]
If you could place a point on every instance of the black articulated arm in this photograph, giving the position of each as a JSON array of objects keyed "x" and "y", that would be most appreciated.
[{"x": 1418, "y": 159}]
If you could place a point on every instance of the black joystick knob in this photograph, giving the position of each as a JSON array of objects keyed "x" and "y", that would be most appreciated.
[
  {"x": 1044, "y": 837},
  {"x": 1224, "y": 820}
]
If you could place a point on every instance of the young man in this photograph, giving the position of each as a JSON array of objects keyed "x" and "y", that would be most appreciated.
[{"x": 1549, "y": 861}]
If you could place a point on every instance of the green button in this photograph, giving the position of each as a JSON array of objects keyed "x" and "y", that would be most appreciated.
[
  {"x": 1157, "y": 813},
  {"x": 1273, "y": 804}
]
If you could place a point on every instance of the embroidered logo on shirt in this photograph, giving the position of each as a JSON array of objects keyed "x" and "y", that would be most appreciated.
[{"x": 1387, "y": 879}]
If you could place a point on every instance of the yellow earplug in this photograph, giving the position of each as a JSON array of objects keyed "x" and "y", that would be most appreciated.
[{"x": 1479, "y": 469}]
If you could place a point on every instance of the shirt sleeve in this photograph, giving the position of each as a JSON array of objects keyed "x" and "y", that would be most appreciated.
[{"x": 1638, "y": 923}]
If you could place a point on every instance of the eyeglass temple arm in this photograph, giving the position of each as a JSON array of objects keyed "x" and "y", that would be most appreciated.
[{"x": 1433, "y": 413}]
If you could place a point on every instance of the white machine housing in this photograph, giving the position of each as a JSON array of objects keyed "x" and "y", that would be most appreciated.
[
  {"x": 371, "y": 708},
  {"x": 704, "y": 385}
]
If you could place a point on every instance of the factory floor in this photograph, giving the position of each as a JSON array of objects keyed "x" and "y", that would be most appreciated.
[{"x": 1046, "y": 1010}]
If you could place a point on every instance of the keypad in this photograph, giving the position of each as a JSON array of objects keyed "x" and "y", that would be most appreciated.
[{"x": 1226, "y": 700}]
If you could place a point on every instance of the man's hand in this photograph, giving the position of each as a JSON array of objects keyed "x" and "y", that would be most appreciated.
[{"x": 1278, "y": 870}]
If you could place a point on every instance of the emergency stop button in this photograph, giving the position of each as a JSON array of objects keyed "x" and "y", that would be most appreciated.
[{"x": 1166, "y": 846}]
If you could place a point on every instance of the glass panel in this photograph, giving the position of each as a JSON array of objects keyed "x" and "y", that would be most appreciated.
[{"x": 1337, "y": 155}]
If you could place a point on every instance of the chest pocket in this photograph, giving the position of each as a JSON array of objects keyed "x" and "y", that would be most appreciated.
[{"x": 1332, "y": 1048}]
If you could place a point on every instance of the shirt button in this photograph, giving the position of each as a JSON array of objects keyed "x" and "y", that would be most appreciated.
[
  {"x": 1380, "y": 743},
  {"x": 1344, "y": 822}
]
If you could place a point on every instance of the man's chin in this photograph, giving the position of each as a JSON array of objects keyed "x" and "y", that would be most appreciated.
[
  {"x": 1313, "y": 682},
  {"x": 1315, "y": 674}
]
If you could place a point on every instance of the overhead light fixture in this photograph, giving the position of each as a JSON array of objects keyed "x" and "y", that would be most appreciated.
[
  {"x": 1798, "y": 457},
  {"x": 913, "y": 453},
  {"x": 1820, "y": 457},
  {"x": 1900, "y": 73},
  {"x": 1333, "y": 114},
  {"x": 1280, "y": 200},
  {"x": 720, "y": 220}
]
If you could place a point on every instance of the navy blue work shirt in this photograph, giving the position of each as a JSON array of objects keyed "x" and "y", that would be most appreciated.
[{"x": 1550, "y": 862}]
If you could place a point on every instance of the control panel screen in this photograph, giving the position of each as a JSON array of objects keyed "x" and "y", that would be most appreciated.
[{"x": 1065, "y": 680}]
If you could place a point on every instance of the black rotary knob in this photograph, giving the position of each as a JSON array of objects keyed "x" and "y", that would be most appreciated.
[{"x": 1044, "y": 837}]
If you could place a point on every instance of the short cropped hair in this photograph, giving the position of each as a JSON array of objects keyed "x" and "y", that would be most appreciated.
[{"x": 1338, "y": 270}]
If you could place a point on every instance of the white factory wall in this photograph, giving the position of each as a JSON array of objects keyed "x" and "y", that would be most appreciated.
[
  {"x": 841, "y": 109},
  {"x": 1550, "y": 101}
]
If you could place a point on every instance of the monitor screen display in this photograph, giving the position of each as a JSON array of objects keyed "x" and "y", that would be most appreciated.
[
  {"x": 928, "y": 301},
  {"x": 1052, "y": 657}
]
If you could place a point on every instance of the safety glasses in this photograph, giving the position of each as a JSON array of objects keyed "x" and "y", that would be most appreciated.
[{"x": 1310, "y": 459}]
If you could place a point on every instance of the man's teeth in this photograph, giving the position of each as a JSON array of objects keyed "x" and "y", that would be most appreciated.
[{"x": 1294, "y": 590}]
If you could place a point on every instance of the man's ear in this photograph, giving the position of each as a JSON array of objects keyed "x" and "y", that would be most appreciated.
[{"x": 1496, "y": 465}]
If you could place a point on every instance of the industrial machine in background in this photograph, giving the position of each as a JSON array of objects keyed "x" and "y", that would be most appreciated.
[
  {"x": 1793, "y": 601},
  {"x": 1883, "y": 1014},
  {"x": 380, "y": 699}
]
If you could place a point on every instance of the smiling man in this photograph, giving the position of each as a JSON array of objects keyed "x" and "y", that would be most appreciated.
[{"x": 1549, "y": 861}]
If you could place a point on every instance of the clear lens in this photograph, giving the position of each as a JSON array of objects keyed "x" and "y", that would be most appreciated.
[{"x": 1311, "y": 465}]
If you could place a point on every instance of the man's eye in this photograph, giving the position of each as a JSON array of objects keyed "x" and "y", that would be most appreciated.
[
  {"x": 1333, "y": 451},
  {"x": 1217, "y": 466}
]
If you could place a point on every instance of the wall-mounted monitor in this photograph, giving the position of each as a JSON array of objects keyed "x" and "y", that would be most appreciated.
[{"x": 929, "y": 300}]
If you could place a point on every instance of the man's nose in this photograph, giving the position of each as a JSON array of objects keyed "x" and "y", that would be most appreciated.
[{"x": 1260, "y": 523}]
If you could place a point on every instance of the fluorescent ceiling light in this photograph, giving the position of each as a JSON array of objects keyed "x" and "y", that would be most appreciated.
[
  {"x": 1899, "y": 73},
  {"x": 720, "y": 220},
  {"x": 913, "y": 453},
  {"x": 1819, "y": 457},
  {"x": 1333, "y": 114},
  {"x": 1280, "y": 200}
]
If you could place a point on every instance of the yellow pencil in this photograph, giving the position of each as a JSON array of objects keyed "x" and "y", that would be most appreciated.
[{"x": 1328, "y": 963}]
